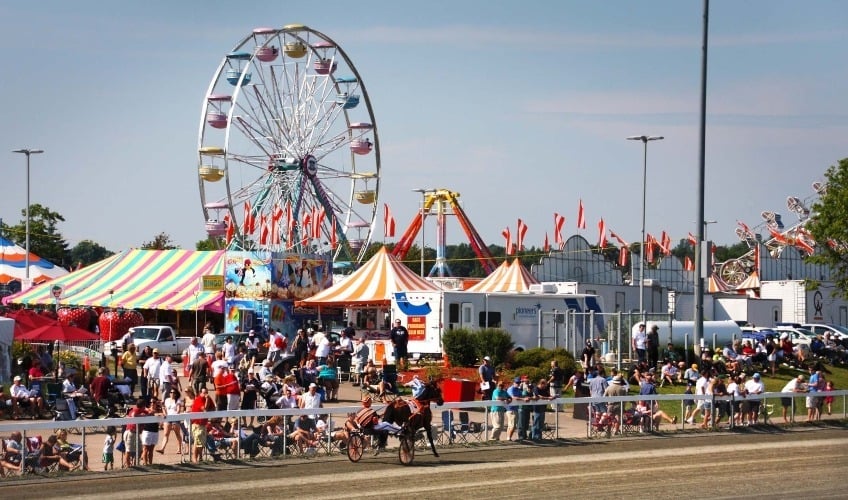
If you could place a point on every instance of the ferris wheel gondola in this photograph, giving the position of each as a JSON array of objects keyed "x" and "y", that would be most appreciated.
[{"x": 288, "y": 147}]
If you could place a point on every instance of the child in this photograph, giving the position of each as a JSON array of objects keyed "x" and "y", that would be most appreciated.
[
  {"x": 828, "y": 400},
  {"x": 109, "y": 448},
  {"x": 689, "y": 416}
]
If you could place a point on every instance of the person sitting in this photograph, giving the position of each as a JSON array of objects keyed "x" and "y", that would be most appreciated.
[
  {"x": 50, "y": 455},
  {"x": 20, "y": 397},
  {"x": 366, "y": 420},
  {"x": 671, "y": 353},
  {"x": 70, "y": 452},
  {"x": 650, "y": 410},
  {"x": 71, "y": 394},
  {"x": 10, "y": 458},
  {"x": 304, "y": 433},
  {"x": 218, "y": 439},
  {"x": 309, "y": 373},
  {"x": 668, "y": 373},
  {"x": 272, "y": 434}
]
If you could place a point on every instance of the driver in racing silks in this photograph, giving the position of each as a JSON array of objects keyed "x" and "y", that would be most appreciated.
[{"x": 368, "y": 420}]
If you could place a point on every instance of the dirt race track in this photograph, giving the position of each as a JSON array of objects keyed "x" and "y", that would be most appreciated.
[{"x": 808, "y": 463}]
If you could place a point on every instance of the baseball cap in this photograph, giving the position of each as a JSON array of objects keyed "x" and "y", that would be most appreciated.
[
  {"x": 516, "y": 380},
  {"x": 756, "y": 375},
  {"x": 487, "y": 358},
  {"x": 155, "y": 351},
  {"x": 17, "y": 378},
  {"x": 313, "y": 384}
]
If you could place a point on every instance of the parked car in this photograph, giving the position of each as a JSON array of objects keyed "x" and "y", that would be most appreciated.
[
  {"x": 796, "y": 335},
  {"x": 838, "y": 333}
]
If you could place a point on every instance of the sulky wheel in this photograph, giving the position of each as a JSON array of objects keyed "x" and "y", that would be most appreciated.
[
  {"x": 406, "y": 450},
  {"x": 355, "y": 447}
]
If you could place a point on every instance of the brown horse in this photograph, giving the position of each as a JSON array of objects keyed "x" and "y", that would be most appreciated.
[{"x": 400, "y": 412}]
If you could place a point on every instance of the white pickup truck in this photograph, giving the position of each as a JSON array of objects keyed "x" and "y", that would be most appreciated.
[{"x": 160, "y": 337}]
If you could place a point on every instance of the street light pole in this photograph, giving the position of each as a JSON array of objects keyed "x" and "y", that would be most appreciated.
[
  {"x": 705, "y": 227},
  {"x": 423, "y": 201},
  {"x": 27, "y": 152},
  {"x": 645, "y": 139}
]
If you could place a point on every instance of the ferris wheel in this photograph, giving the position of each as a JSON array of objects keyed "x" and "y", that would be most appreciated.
[{"x": 288, "y": 152}]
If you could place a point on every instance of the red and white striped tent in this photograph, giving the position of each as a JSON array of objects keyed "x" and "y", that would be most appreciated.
[
  {"x": 513, "y": 277},
  {"x": 372, "y": 284}
]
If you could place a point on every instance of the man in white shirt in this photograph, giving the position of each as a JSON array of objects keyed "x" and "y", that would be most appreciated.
[
  {"x": 229, "y": 350},
  {"x": 22, "y": 397},
  {"x": 151, "y": 370},
  {"x": 273, "y": 346},
  {"x": 219, "y": 364},
  {"x": 754, "y": 386},
  {"x": 192, "y": 350},
  {"x": 311, "y": 399},
  {"x": 795, "y": 385},
  {"x": 322, "y": 349},
  {"x": 165, "y": 377},
  {"x": 208, "y": 341}
]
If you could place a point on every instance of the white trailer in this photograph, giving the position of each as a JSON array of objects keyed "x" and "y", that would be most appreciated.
[
  {"x": 533, "y": 319},
  {"x": 806, "y": 306}
]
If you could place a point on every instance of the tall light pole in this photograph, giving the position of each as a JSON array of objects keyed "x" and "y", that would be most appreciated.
[
  {"x": 645, "y": 139},
  {"x": 423, "y": 201},
  {"x": 28, "y": 152},
  {"x": 706, "y": 222}
]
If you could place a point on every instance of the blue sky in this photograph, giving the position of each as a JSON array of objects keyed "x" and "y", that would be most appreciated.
[{"x": 521, "y": 107}]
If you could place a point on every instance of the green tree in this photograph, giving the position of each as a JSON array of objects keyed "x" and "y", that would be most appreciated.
[
  {"x": 829, "y": 226},
  {"x": 45, "y": 240},
  {"x": 210, "y": 243},
  {"x": 161, "y": 241},
  {"x": 88, "y": 252},
  {"x": 495, "y": 343},
  {"x": 460, "y": 347}
]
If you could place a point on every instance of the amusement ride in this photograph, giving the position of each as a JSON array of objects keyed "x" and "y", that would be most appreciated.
[{"x": 288, "y": 151}]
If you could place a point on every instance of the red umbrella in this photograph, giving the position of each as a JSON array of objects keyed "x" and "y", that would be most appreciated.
[
  {"x": 56, "y": 331},
  {"x": 27, "y": 320}
]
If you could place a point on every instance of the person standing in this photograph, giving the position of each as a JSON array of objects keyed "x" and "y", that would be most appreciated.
[
  {"x": 541, "y": 392},
  {"x": 208, "y": 341},
  {"x": 229, "y": 350},
  {"x": 587, "y": 356},
  {"x": 556, "y": 379},
  {"x": 524, "y": 410},
  {"x": 399, "y": 336},
  {"x": 514, "y": 393},
  {"x": 252, "y": 345},
  {"x": 199, "y": 373},
  {"x": 487, "y": 378},
  {"x": 638, "y": 343},
  {"x": 129, "y": 361},
  {"x": 151, "y": 372},
  {"x": 360, "y": 358},
  {"x": 652, "y": 345},
  {"x": 793, "y": 386},
  {"x": 498, "y": 412}
]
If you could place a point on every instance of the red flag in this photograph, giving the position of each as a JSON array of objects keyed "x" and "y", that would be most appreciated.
[
  {"x": 510, "y": 248},
  {"x": 688, "y": 265},
  {"x": 581, "y": 216},
  {"x": 289, "y": 224},
  {"x": 305, "y": 228},
  {"x": 559, "y": 221},
  {"x": 247, "y": 224},
  {"x": 665, "y": 244},
  {"x": 547, "y": 246},
  {"x": 619, "y": 238},
  {"x": 231, "y": 230},
  {"x": 276, "y": 217},
  {"x": 333, "y": 242},
  {"x": 388, "y": 222},
  {"x": 318, "y": 223},
  {"x": 263, "y": 229},
  {"x": 522, "y": 230},
  {"x": 692, "y": 240},
  {"x": 649, "y": 248},
  {"x": 602, "y": 233},
  {"x": 622, "y": 255}
]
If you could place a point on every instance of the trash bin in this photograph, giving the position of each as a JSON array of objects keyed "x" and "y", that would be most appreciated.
[
  {"x": 457, "y": 390},
  {"x": 581, "y": 410}
]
